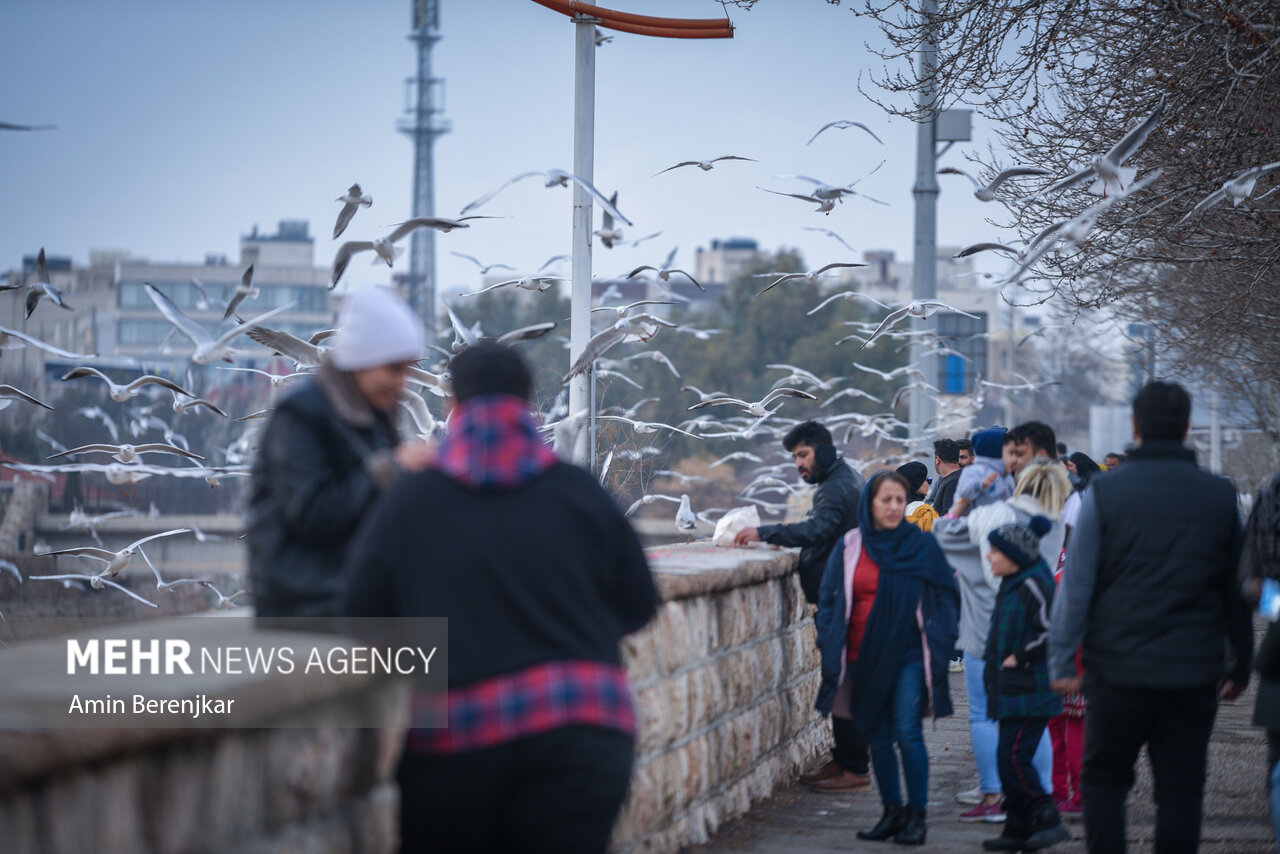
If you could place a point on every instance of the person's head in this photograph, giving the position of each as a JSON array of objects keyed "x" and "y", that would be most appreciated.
[
  {"x": 966, "y": 451},
  {"x": 812, "y": 449},
  {"x": 378, "y": 340},
  {"x": 917, "y": 475},
  {"x": 946, "y": 456},
  {"x": 1113, "y": 460},
  {"x": 888, "y": 493},
  {"x": 488, "y": 368},
  {"x": 1084, "y": 467},
  {"x": 1047, "y": 484},
  {"x": 1015, "y": 546},
  {"x": 1009, "y": 453},
  {"x": 1161, "y": 412},
  {"x": 1034, "y": 439}
]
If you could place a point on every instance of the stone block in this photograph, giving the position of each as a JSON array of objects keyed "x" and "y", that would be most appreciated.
[
  {"x": 794, "y": 606},
  {"x": 671, "y": 628},
  {"x": 707, "y": 699},
  {"x": 701, "y": 624},
  {"x": 738, "y": 675},
  {"x": 770, "y": 724},
  {"x": 640, "y": 655},
  {"x": 651, "y": 718},
  {"x": 699, "y": 769},
  {"x": 733, "y": 619},
  {"x": 769, "y": 658}
]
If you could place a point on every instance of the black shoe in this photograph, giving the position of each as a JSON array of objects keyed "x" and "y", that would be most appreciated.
[
  {"x": 1045, "y": 828},
  {"x": 888, "y": 826},
  {"x": 1014, "y": 833},
  {"x": 912, "y": 832}
]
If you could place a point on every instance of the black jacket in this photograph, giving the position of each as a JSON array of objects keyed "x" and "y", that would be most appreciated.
[
  {"x": 834, "y": 511},
  {"x": 943, "y": 493},
  {"x": 548, "y": 571},
  {"x": 1166, "y": 608},
  {"x": 323, "y": 457}
]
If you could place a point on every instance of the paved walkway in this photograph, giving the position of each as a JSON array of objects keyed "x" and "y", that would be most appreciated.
[{"x": 798, "y": 821}]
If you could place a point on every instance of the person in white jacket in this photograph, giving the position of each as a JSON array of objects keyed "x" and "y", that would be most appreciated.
[{"x": 1041, "y": 489}]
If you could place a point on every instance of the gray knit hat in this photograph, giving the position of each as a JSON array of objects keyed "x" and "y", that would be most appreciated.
[{"x": 1021, "y": 543}]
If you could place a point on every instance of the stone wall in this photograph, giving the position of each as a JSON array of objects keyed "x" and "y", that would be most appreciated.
[{"x": 724, "y": 682}]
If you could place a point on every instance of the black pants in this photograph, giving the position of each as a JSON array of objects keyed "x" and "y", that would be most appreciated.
[
  {"x": 559, "y": 791},
  {"x": 1019, "y": 738},
  {"x": 1174, "y": 724},
  {"x": 850, "y": 751}
]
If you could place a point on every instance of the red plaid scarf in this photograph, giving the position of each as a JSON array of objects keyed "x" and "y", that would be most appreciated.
[{"x": 493, "y": 443}]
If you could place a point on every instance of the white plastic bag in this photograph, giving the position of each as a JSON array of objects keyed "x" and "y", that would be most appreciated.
[{"x": 728, "y": 525}]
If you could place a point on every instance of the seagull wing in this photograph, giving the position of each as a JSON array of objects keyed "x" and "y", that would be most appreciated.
[
  {"x": 951, "y": 170},
  {"x": 639, "y": 270},
  {"x": 939, "y": 305},
  {"x": 82, "y": 371},
  {"x": 526, "y": 333},
  {"x": 838, "y": 265},
  {"x": 985, "y": 247},
  {"x": 286, "y": 345},
  {"x": 150, "y": 379},
  {"x": 890, "y": 320},
  {"x": 1015, "y": 172},
  {"x": 785, "y": 392},
  {"x": 86, "y": 551},
  {"x": 599, "y": 197},
  {"x": 424, "y": 222},
  {"x": 343, "y": 257},
  {"x": 733, "y": 157},
  {"x": 677, "y": 166},
  {"x": 48, "y": 348},
  {"x": 85, "y": 449},
  {"x": 1134, "y": 138},
  {"x": 800, "y": 196},
  {"x": 595, "y": 348},
  {"x": 788, "y": 277},
  {"x": 162, "y": 448},
  {"x": 1065, "y": 184},
  {"x": 720, "y": 401},
  {"x": 250, "y": 324},
  {"x": 174, "y": 315},
  {"x": 10, "y": 391},
  {"x": 487, "y": 196},
  {"x": 345, "y": 215},
  {"x": 829, "y": 233},
  {"x": 147, "y": 539}
]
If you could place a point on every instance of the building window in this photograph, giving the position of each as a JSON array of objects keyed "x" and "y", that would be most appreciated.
[
  {"x": 142, "y": 332},
  {"x": 964, "y": 335}
]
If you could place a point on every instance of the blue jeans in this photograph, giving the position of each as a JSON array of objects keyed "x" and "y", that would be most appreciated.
[
  {"x": 899, "y": 723},
  {"x": 985, "y": 733}
]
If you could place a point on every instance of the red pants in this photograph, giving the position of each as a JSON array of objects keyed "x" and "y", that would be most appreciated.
[{"x": 1067, "y": 734}]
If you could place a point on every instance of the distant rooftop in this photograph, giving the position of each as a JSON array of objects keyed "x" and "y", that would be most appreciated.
[
  {"x": 289, "y": 231},
  {"x": 735, "y": 243}
]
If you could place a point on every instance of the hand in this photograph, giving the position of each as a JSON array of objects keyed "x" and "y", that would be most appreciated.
[
  {"x": 988, "y": 480},
  {"x": 1230, "y": 689},
  {"x": 1011, "y": 661},
  {"x": 415, "y": 455},
  {"x": 746, "y": 536},
  {"x": 1070, "y": 685}
]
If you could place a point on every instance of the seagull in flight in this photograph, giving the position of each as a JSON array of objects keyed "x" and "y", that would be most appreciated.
[
  {"x": 632, "y": 327},
  {"x": 1237, "y": 189},
  {"x": 811, "y": 276},
  {"x": 987, "y": 193},
  {"x": 527, "y": 283},
  {"x": 122, "y": 392},
  {"x": 384, "y": 248},
  {"x": 351, "y": 202},
  {"x": 1108, "y": 171},
  {"x": 42, "y": 289},
  {"x": 829, "y": 233},
  {"x": 664, "y": 272},
  {"x": 94, "y": 581},
  {"x": 644, "y": 427},
  {"x": 207, "y": 348},
  {"x": 916, "y": 308},
  {"x": 484, "y": 268},
  {"x": 553, "y": 178},
  {"x": 903, "y": 371},
  {"x": 704, "y": 165},
  {"x": 243, "y": 291},
  {"x": 127, "y": 453},
  {"x": 843, "y": 295},
  {"x": 758, "y": 407},
  {"x": 842, "y": 125},
  {"x": 116, "y": 561}
]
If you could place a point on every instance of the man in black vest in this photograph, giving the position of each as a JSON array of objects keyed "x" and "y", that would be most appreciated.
[
  {"x": 834, "y": 511},
  {"x": 1149, "y": 588}
]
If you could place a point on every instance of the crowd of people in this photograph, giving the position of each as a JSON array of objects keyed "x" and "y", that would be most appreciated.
[{"x": 1094, "y": 608}]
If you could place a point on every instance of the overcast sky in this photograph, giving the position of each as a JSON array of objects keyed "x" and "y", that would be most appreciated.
[{"x": 180, "y": 126}]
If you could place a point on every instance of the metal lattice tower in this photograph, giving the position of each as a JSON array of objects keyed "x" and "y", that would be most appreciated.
[{"x": 423, "y": 122}]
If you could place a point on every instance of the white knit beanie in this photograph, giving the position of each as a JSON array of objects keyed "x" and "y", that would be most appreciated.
[{"x": 375, "y": 327}]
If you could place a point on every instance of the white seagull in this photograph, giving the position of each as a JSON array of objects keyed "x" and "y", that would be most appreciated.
[
  {"x": 207, "y": 349},
  {"x": 704, "y": 165},
  {"x": 1237, "y": 189},
  {"x": 384, "y": 248},
  {"x": 811, "y": 276},
  {"x": 127, "y": 453},
  {"x": 484, "y": 268},
  {"x": 243, "y": 291},
  {"x": 42, "y": 289},
  {"x": 116, "y": 561},
  {"x": 1107, "y": 170},
  {"x": 842, "y": 125},
  {"x": 829, "y": 233},
  {"x": 664, "y": 272},
  {"x": 120, "y": 393},
  {"x": 553, "y": 178},
  {"x": 94, "y": 581},
  {"x": 916, "y": 308},
  {"x": 843, "y": 295},
  {"x": 988, "y": 192},
  {"x": 758, "y": 407},
  {"x": 351, "y": 202},
  {"x": 525, "y": 283}
]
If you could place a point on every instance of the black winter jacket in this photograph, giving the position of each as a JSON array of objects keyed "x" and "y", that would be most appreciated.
[
  {"x": 834, "y": 511},
  {"x": 323, "y": 458}
]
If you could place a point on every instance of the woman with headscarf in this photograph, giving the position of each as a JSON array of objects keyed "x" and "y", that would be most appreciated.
[
  {"x": 887, "y": 623},
  {"x": 1085, "y": 470}
]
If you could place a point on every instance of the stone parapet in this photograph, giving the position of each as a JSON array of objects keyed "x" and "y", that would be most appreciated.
[{"x": 724, "y": 681}]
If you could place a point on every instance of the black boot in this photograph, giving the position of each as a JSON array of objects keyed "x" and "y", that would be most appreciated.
[
  {"x": 912, "y": 832},
  {"x": 1045, "y": 827},
  {"x": 1014, "y": 833},
  {"x": 888, "y": 826}
]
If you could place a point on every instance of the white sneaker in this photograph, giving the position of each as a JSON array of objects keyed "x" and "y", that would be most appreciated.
[
  {"x": 956, "y": 665},
  {"x": 970, "y": 796}
]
